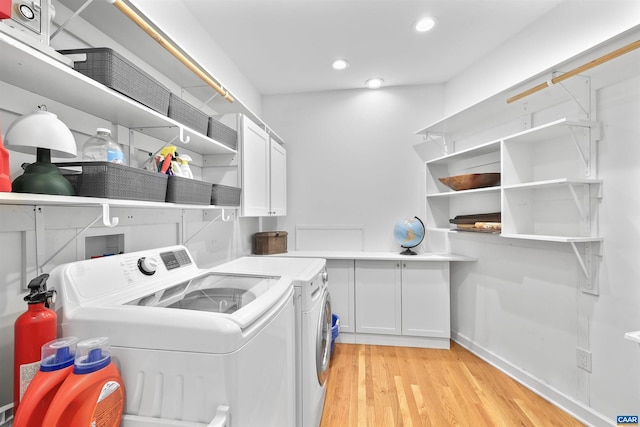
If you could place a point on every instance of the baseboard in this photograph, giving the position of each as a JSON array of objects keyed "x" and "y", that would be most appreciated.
[
  {"x": 577, "y": 409},
  {"x": 394, "y": 340}
]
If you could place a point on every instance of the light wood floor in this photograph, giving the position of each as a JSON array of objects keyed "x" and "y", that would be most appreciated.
[{"x": 379, "y": 386}]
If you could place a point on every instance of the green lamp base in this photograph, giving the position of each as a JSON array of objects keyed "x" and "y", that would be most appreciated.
[{"x": 42, "y": 178}]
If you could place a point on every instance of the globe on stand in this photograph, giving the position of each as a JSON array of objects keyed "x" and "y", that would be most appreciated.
[{"x": 409, "y": 233}]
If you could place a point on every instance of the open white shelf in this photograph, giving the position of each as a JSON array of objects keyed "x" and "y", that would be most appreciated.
[
  {"x": 549, "y": 130},
  {"x": 553, "y": 183},
  {"x": 52, "y": 200},
  {"x": 548, "y": 238},
  {"x": 32, "y": 70},
  {"x": 633, "y": 336},
  {"x": 452, "y": 193},
  {"x": 486, "y": 148}
]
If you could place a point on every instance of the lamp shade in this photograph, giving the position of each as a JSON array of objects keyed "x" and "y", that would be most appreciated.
[{"x": 40, "y": 129}]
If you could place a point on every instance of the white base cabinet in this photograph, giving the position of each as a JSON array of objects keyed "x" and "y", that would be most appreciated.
[
  {"x": 402, "y": 298},
  {"x": 425, "y": 299},
  {"x": 384, "y": 298},
  {"x": 342, "y": 291},
  {"x": 378, "y": 297}
]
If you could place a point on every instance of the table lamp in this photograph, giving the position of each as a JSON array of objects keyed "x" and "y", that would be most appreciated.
[{"x": 42, "y": 133}]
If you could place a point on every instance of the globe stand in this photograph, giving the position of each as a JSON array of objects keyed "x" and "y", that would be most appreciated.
[
  {"x": 400, "y": 227},
  {"x": 408, "y": 251}
]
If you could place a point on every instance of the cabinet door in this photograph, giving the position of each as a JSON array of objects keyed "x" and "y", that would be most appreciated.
[
  {"x": 425, "y": 299},
  {"x": 342, "y": 290},
  {"x": 378, "y": 297},
  {"x": 278, "y": 174},
  {"x": 254, "y": 148}
]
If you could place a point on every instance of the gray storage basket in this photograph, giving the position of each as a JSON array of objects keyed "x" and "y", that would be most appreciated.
[
  {"x": 222, "y": 133},
  {"x": 188, "y": 191},
  {"x": 114, "y": 181},
  {"x": 185, "y": 113},
  {"x": 112, "y": 70},
  {"x": 223, "y": 195}
]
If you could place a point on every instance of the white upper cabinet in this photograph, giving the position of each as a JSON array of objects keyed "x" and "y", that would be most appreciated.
[
  {"x": 278, "y": 178},
  {"x": 254, "y": 152},
  {"x": 263, "y": 172}
]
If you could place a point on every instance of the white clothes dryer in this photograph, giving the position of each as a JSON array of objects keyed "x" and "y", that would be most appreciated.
[
  {"x": 193, "y": 347},
  {"x": 312, "y": 328}
]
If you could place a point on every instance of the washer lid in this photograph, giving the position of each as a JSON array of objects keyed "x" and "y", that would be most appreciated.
[{"x": 214, "y": 293}]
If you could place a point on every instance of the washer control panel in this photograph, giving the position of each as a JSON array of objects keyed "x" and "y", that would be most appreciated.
[
  {"x": 96, "y": 278},
  {"x": 175, "y": 259}
]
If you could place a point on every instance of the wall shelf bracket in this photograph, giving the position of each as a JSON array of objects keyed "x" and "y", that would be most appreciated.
[
  {"x": 181, "y": 136},
  {"x": 442, "y": 140},
  {"x": 584, "y": 152},
  {"x": 220, "y": 216},
  {"x": 107, "y": 220},
  {"x": 588, "y": 260},
  {"x": 582, "y": 203},
  {"x": 586, "y": 111}
]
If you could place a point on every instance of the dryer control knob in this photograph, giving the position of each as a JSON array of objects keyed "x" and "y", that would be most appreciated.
[{"x": 147, "y": 266}]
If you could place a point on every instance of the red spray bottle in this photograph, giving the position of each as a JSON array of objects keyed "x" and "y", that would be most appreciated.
[
  {"x": 33, "y": 329},
  {"x": 5, "y": 177}
]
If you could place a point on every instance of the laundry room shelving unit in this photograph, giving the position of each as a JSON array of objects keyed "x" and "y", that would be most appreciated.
[
  {"x": 29, "y": 69},
  {"x": 38, "y": 73},
  {"x": 547, "y": 189},
  {"x": 545, "y": 148}
]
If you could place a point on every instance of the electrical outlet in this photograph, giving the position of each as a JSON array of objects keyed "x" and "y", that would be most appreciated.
[{"x": 583, "y": 359}]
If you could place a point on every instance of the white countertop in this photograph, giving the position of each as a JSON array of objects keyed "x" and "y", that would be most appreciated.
[{"x": 383, "y": 256}]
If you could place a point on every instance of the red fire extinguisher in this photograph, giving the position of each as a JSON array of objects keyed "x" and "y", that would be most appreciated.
[{"x": 33, "y": 329}]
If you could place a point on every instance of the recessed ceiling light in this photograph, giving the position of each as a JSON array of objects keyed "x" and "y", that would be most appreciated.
[
  {"x": 340, "y": 64},
  {"x": 424, "y": 24},
  {"x": 374, "y": 83}
]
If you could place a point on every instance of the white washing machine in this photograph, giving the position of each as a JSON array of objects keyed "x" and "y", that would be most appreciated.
[
  {"x": 313, "y": 325},
  {"x": 194, "y": 347}
]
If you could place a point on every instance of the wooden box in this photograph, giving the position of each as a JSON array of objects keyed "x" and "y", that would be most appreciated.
[{"x": 270, "y": 242}]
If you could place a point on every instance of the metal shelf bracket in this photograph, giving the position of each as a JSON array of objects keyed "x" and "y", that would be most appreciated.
[
  {"x": 107, "y": 220},
  {"x": 585, "y": 111},
  {"x": 585, "y": 153},
  {"x": 220, "y": 216},
  {"x": 442, "y": 140},
  {"x": 583, "y": 204},
  {"x": 589, "y": 265}
]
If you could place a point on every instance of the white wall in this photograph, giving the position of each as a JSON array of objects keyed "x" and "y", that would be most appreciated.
[
  {"x": 569, "y": 29},
  {"x": 350, "y": 158}
]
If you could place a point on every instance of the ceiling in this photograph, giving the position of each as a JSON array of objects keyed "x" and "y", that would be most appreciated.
[{"x": 287, "y": 46}]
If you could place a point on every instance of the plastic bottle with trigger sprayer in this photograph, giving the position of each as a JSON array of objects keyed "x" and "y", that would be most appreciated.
[{"x": 5, "y": 177}]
